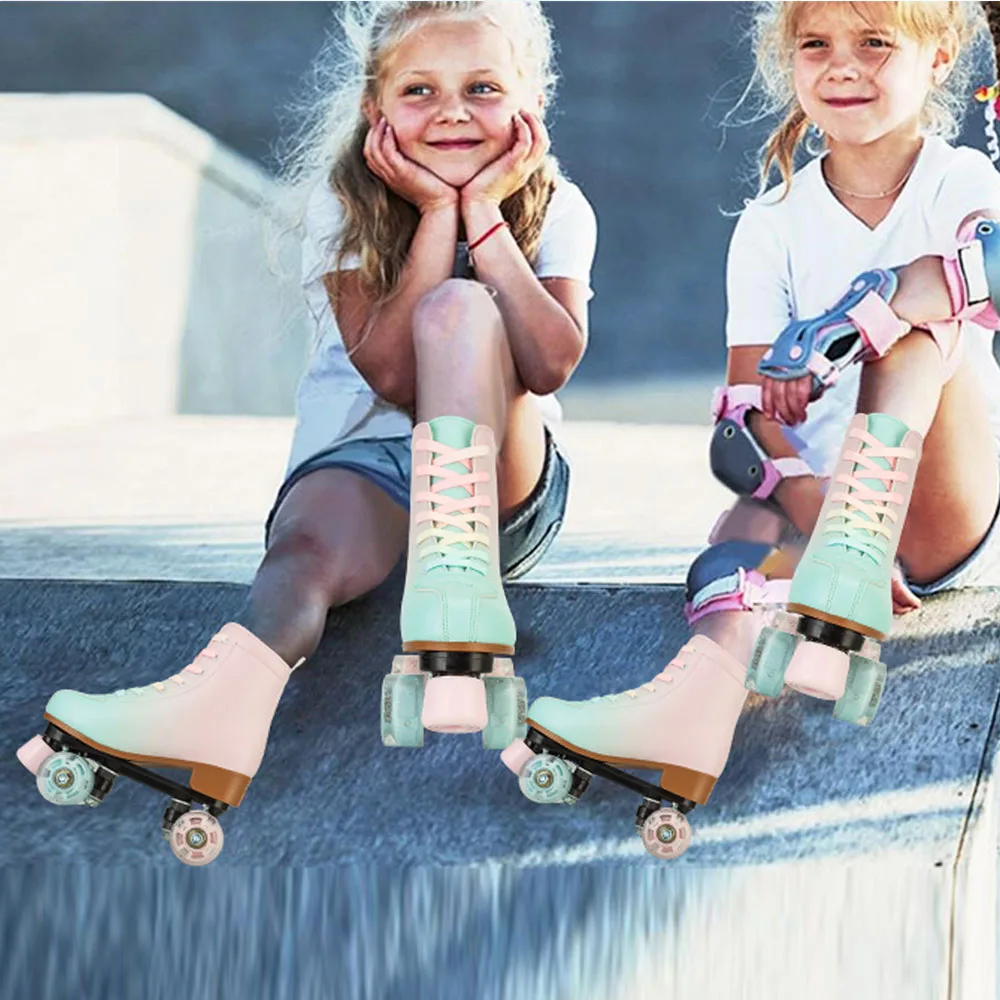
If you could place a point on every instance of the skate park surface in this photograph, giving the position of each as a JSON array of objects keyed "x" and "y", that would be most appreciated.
[{"x": 114, "y": 576}]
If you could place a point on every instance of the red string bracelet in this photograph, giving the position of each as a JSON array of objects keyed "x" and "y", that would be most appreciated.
[{"x": 489, "y": 232}]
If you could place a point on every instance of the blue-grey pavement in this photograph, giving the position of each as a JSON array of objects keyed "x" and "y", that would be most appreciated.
[{"x": 798, "y": 785}]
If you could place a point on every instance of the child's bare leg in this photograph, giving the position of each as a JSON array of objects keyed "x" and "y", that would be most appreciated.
[
  {"x": 957, "y": 483},
  {"x": 335, "y": 537},
  {"x": 465, "y": 369}
]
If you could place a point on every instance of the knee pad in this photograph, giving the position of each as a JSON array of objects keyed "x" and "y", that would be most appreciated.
[
  {"x": 859, "y": 327},
  {"x": 737, "y": 459},
  {"x": 735, "y": 576},
  {"x": 973, "y": 274}
]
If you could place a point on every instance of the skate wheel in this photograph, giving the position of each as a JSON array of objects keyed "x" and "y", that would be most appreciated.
[
  {"x": 818, "y": 670},
  {"x": 546, "y": 779},
  {"x": 666, "y": 833},
  {"x": 771, "y": 656},
  {"x": 402, "y": 702},
  {"x": 196, "y": 837},
  {"x": 454, "y": 703},
  {"x": 65, "y": 779},
  {"x": 506, "y": 711},
  {"x": 34, "y": 753},
  {"x": 863, "y": 692}
]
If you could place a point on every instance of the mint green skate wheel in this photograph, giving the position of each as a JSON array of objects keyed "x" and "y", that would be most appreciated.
[
  {"x": 546, "y": 779},
  {"x": 402, "y": 704},
  {"x": 65, "y": 779},
  {"x": 507, "y": 708},
  {"x": 861, "y": 697},
  {"x": 771, "y": 656}
]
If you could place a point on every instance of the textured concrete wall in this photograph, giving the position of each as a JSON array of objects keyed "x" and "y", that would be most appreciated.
[{"x": 134, "y": 277}]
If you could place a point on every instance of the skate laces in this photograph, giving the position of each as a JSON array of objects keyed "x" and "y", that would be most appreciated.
[
  {"x": 861, "y": 519},
  {"x": 192, "y": 668},
  {"x": 451, "y": 539},
  {"x": 665, "y": 676}
]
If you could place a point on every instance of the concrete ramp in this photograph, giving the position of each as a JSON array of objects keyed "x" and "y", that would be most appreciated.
[{"x": 883, "y": 835}]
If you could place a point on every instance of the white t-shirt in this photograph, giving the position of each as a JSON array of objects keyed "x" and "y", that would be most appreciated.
[
  {"x": 333, "y": 402},
  {"x": 794, "y": 259}
]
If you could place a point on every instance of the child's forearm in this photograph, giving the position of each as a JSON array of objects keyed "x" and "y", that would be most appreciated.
[
  {"x": 385, "y": 355},
  {"x": 544, "y": 339}
]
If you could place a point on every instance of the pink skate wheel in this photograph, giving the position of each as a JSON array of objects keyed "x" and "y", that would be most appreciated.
[
  {"x": 34, "y": 753},
  {"x": 196, "y": 837},
  {"x": 517, "y": 755},
  {"x": 454, "y": 704},
  {"x": 818, "y": 671}
]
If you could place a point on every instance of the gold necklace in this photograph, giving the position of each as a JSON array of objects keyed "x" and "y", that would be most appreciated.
[{"x": 881, "y": 194}]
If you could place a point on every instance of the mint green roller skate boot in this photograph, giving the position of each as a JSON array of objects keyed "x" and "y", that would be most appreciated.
[
  {"x": 827, "y": 643},
  {"x": 456, "y": 675}
]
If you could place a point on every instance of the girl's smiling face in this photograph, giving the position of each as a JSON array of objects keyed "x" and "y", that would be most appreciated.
[
  {"x": 450, "y": 92},
  {"x": 857, "y": 76}
]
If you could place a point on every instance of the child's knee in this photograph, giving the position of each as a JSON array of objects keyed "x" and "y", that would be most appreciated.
[
  {"x": 310, "y": 560},
  {"x": 455, "y": 306}
]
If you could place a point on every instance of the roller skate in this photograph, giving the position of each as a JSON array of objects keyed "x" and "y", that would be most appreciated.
[
  {"x": 681, "y": 724},
  {"x": 211, "y": 719},
  {"x": 455, "y": 674},
  {"x": 826, "y": 643}
]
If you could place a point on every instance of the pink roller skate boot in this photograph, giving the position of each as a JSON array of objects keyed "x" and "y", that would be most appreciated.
[
  {"x": 211, "y": 719},
  {"x": 681, "y": 724}
]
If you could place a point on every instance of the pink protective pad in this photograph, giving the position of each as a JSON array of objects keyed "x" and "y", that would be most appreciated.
[
  {"x": 818, "y": 671},
  {"x": 752, "y": 590},
  {"x": 517, "y": 755},
  {"x": 454, "y": 704},
  {"x": 965, "y": 276},
  {"x": 878, "y": 324},
  {"x": 34, "y": 753}
]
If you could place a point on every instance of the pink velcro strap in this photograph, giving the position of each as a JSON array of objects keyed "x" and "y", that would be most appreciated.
[
  {"x": 968, "y": 288},
  {"x": 728, "y": 398},
  {"x": 878, "y": 324},
  {"x": 753, "y": 590},
  {"x": 790, "y": 467},
  {"x": 826, "y": 371},
  {"x": 775, "y": 470}
]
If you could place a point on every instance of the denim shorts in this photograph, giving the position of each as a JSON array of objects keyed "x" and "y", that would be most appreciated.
[
  {"x": 981, "y": 568},
  {"x": 525, "y": 536}
]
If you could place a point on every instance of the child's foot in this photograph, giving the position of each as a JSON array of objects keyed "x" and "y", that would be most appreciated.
[
  {"x": 681, "y": 724},
  {"x": 840, "y": 600},
  {"x": 454, "y": 619},
  {"x": 211, "y": 719}
]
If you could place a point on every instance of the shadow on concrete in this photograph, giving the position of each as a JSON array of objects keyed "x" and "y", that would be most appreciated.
[{"x": 799, "y": 784}]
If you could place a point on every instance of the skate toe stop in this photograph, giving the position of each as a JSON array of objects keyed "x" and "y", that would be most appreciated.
[
  {"x": 34, "y": 753},
  {"x": 516, "y": 756}
]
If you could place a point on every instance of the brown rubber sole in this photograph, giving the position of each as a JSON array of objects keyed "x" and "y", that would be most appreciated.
[
  {"x": 802, "y": 609},
  {"x": 679, "y": 781},
  {"x": 214, "y": 782},
  {"x": 457, "y": 647}
]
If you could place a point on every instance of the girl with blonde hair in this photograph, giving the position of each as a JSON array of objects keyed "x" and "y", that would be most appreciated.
[
  {"x": 446, "y": 266},
  {"x": 824, "y": 422}
]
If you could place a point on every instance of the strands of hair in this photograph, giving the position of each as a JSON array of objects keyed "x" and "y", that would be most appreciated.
[{"x": 990, "y": 94}]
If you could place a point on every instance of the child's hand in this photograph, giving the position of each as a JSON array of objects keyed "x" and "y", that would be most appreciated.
[
  {"x": 903, "y": 599},
  {"x": 508, "y": 173},
  {"x": 409, "y": 180},
  {"x": 786, "y": 400}
]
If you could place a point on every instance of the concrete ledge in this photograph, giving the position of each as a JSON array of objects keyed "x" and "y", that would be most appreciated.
[
  {"x": 897, "y": 821},
  {"x": 135, "y": 278}
]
